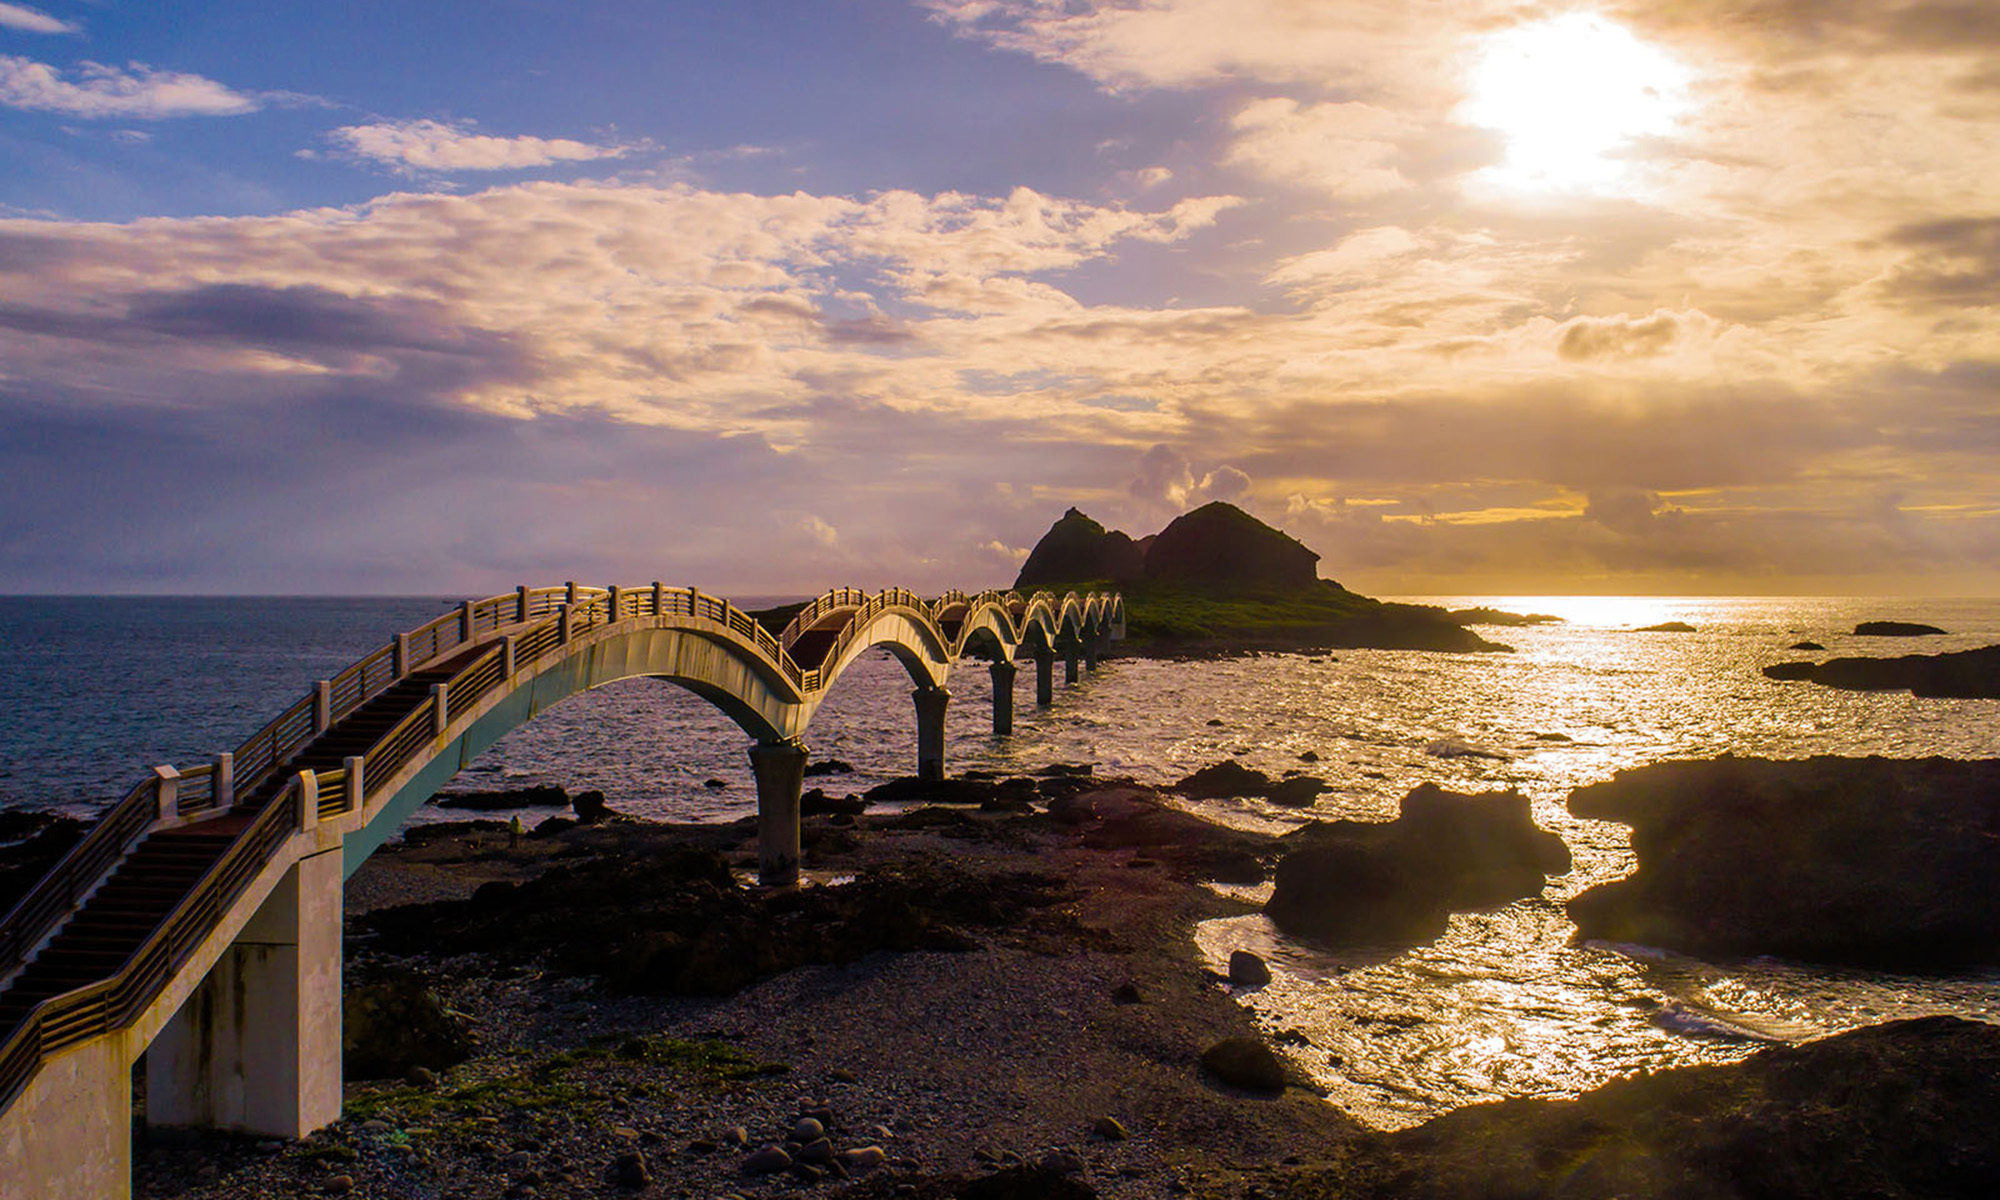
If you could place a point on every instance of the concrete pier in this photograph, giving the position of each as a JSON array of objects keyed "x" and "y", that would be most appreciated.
[
  {"x": 1003, "y": 697},
  {"x": 256, "y": 1047},
  {"x": 780, "y": 768},
  {"x": 931, "y": 705},
  {"x": 1069, "y": 663},
  {"x": 1045, "y": 677}
]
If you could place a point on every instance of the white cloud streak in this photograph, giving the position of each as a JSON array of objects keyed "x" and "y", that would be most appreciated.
[
  {"x": 135, "y": 91},
  {"x": 33, "y": 20},
  {"x": 426, "y": 145}
]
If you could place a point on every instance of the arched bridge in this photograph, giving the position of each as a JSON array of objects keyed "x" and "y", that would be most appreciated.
[{"x": 199, "y": 922}]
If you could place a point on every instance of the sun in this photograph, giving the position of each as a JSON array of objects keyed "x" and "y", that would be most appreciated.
[{"x": 1572, "y": 95}]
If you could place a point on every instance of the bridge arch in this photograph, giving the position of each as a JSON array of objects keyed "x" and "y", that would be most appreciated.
[{"x": 305, "y": 800}]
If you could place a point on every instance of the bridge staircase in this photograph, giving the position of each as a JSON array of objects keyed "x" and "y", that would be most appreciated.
[{"x": 162, "y": 870}]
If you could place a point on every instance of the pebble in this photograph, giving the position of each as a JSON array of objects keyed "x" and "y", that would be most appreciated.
[
  {"x": 1062, "y": 1162},
  {"x": 808, "y": 1129},
  {"x": 736, "y": 1135},
  {"x": 339, "y": 1185},
  {"x": 768, "y": 1160},
  {"x": 818, "y": 1152},
  {"x": 422, "y": 1077},
  {"x": 1127, "y": 993},
  {"x": 863, "y": 1158},
  {"x": 628, "y": 1170},
  {"x": 841, "y": 1075},
  {"x": 1110, "y": 1129}
]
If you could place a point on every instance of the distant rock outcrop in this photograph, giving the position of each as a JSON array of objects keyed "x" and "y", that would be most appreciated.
[
  {"x": 1895, "y": 629},
  {"x": 1077, "y": 549},
  {"x": 1966, "y": 674},
  {"x": 1220, "y": 543},
  {"x": 1861, "y": 861},
  {"x": 1398, "y": 882}
]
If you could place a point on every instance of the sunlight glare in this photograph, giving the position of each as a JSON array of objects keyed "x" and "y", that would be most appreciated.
[{"x": 1570, "y": 95}]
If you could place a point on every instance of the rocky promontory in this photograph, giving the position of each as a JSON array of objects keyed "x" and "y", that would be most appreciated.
[
  {"x": 1219, "y": 580},
  {"x": 1398, "y": 882},
  {"x": 1973, "y": 674},
  {"x": 1867, "y": 862}
]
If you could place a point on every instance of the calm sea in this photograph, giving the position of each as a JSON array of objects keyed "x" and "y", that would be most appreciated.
[{"x": 95, "y": 690}]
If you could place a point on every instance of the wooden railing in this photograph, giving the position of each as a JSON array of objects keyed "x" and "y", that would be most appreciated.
[
  {"x": 112, "y": 1003},
  {"x": 537, "y": 620}
]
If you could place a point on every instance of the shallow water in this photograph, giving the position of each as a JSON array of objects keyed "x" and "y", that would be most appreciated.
[{"x": 1502, "y": 1005}]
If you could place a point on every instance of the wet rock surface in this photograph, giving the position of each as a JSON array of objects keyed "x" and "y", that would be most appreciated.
[
  {"x": 1896, "y": 629},
  {"x": 1869, "y": 862},
  {"x": 1966, "y": 674},
  {"x": 397, "y": 1025},
  {"x": 1398, "y": 882},
  {"x": 541, "y": 796},
  {"x": 1902, "y": 1110}
]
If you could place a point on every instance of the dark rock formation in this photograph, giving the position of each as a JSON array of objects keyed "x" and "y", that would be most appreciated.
[
  {"x": 1230, "y": 779},
  {"x": 391, "y": 1027},
  {"x": 1077, "y": 549},
  {"x": 1666, "y": 627},
  {"x": 677, "y": 922},
  {"x": 814, "y": 802},
  {"x": 828, "y": 766},
  {"x": 1494, "y": 616},
  {"x": 548, "y": 796},
  {"x": 1247, "y": 1063},
  {"x": 1397, "y": 882},
  {"x": 1900, "y": 1111},
  {"x": 1807, "y": 645},
  {"x": 1966, "y": 673},
  {"x": 1870, "y": 862},
  {"x": 1895, "y": 629},
  {"x": 1220, "y": 543},
  {"x": 1127, "y": 816},
  {"x": 590, "y": 808}
]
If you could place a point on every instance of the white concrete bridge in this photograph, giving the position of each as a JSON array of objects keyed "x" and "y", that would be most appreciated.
[{"x": 199, "y": 922}]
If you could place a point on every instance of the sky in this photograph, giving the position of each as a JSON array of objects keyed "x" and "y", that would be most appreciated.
[{"x": 1470, "y": 296}]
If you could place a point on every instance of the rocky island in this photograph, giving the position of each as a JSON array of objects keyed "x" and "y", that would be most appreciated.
[
  {"x": 1966, "y": 674},
  {"x": 1217, "y": 580}
]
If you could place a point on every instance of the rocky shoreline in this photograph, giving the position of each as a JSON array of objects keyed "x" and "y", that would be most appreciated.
[{"x": 998, "y": 997}]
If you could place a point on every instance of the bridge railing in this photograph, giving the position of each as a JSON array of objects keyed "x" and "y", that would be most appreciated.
[{"x": 113, "y": 1003}]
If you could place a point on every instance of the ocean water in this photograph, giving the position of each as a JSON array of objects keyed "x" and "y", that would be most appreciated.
[{"x": 93, "y": 691}]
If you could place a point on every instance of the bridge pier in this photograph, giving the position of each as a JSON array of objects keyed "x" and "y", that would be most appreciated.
[
  {"x": 256, "y": 1047},
  {"x": 780, "y": 768},
  {"x": 1069, "y": 663},
  {"x": 68, "y": 1135},
  {"x": 1045, "y": 677},
  {"x": 1003, "y": 673},
  {"x": 1091, "y": 648},
  {"x": 931, "y": 705}
]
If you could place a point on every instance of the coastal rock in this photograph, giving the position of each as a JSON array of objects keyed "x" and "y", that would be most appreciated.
[
  {"x": 1963, "y": 674},
  {"x": 1397, "y": 882},
  {"x": 1868, "y": 862},
  {"x": 1895, "y": 629},
  {"x": 1900, "y": 1111},
  {"x": 814, "y": 802},
  {"x": 1247, "y": 969},
  {"x": 1666, "y": 627},
  {"x": 1806, "y": 645},
  {"x": 1246, "y": 1062},
  {"x": 1128, "y": 816},
  {"x": 541, "y": 796},
  {"x": 675, "y": 921},
  {"x": 1077, "y": 549},
  {"x": 1494, "y": 616},
  {"x": 392, "y": 1028},
  {"x": 590, "y": 807},
  {"x": 1026, "y": 1183},
  {"x": 828, "y": 766},
  {"x": 911, "y": 790},
  {"x": 1223, "y": 780},
  {"x": 40, "y": 840},
  {"x": 1220, "y": 543},
  {"x": 767, "y": 1160}
]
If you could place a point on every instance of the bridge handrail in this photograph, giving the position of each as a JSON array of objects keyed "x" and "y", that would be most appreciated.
[
  {"x": 55, "y": 895},
  {"x": 112, "y": 1003},
  {"x": 76, "y": 1016}
]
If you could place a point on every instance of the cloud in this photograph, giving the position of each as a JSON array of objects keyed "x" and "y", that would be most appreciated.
[
  {"x": 1349, "y": 150},
  {"x": 32, "y": 20},
  {"x": 1165, "y": 482},
  {"x": 426, "y": 145},
  {"x": 1225, "y": 483},
  {"x": 1619, "y": 337},
  {"x": 1955, "y": 263},
  {"x": 99, "y": 91}
]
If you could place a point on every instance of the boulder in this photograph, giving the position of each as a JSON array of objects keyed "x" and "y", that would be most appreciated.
[
  {"x": 541, "y": 796},
  {"x": 1247, "y": 1063},
  {"x": 1223, "y": 780},
  {"x": 1964, "y": 674},
  {"x": 391, "y": 1028},
  {"x": 1867, "y": 862},
  {"x": 1247, "y": 969},
  {"x": 1895, "y": 629},
  {"x": 590, "y": 807},
  {"x": 1397, "y": 882}
]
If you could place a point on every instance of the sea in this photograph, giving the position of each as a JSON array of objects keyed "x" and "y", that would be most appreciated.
[{"x": 95, "y": 691}]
